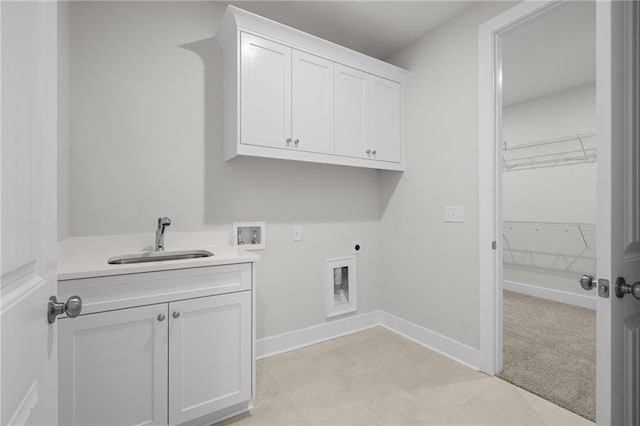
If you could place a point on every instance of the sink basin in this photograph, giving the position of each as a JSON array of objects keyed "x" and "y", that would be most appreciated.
[{"x": 158, "y": 256}]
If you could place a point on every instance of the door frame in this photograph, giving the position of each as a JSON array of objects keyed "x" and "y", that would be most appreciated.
[
  {"x": 490, "y": 174},
  {"x": 614, "y": 30}
]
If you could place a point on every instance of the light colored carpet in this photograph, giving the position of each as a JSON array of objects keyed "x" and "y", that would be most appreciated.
[{"x": 550, "y": 350}]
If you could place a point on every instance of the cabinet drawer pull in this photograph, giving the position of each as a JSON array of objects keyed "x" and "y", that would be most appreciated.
[
  {"x": 176, "y": 314},
  {"x": 161, "y": 317}
]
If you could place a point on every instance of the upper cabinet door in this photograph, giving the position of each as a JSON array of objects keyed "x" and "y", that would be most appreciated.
[
  {"x": 383, "y": 116},
  {"x": 350, "y": 110},
  {"x": 265, "y": 93},
  {"x": 312, "y": 103}
]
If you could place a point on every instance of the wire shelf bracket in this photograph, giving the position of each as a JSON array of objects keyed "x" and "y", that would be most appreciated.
[
  {"x": 551, "y": 246},
  {"x": 567, "y": 150}
]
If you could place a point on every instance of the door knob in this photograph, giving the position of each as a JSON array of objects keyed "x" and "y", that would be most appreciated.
[
  {"x": 623, "y": 288},
  {"x": 587, "y": 282},
  {"x": 72, "y": 308},
  {"x": 176, "y": 314},
  {"x": 161, "y": 317}
]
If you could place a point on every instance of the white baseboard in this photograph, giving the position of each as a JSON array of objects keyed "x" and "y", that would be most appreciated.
[
  {"x": 436, "y": 342},
  {"x": 286, "y": 342},
  {"x": 580, "y": 300},
  {"x": 296, "y": 339}
]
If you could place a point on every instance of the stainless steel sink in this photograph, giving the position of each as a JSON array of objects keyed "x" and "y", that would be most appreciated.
[{"x": 158, "y": 256}]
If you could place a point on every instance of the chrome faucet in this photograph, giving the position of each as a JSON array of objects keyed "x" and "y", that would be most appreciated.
[{"x": 163, "y": 222}]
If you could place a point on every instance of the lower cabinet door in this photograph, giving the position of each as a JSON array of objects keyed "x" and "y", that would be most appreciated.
[
  {"x": 209, "y": 355},
  {"x": 113, "y": 367}
]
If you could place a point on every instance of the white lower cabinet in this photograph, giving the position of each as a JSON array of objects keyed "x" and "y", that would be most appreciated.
[
  {"x": 113, "y": 368},
  {"x": 209, "y": 355},
  {"x": 180, "y": 361}
]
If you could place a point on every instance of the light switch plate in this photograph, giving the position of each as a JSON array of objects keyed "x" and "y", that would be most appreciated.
[
  {"x": 297, "y": 232},
  {"x": 454, "y": 214}
]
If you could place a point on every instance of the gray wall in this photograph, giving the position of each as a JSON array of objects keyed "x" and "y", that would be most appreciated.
[
  {"x": 146, "y": 141},
  {"x": 431, "y": 267},
  {"x": 555, "y": 194}
]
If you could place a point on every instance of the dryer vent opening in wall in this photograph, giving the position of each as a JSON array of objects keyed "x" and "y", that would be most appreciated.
[{"x": 340, "y": 283}]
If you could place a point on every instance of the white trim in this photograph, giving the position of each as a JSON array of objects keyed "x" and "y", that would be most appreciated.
[
  {"x": 296, "y": 339},
  {"x": 450, "y": 348},
  {"x": 490, "y": 175},
  {"x": 574, "y": 299}
]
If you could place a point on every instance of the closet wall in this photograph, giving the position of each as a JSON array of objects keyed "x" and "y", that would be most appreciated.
[{"x": 550, "y": 212}]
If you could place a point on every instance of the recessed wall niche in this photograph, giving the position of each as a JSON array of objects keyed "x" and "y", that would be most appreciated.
[
  {"x": 249, "y": 235},
  {"x": 340, "y": 283}
]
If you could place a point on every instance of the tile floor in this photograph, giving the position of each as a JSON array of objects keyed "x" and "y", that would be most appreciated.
[{"x": 376, "y": 377}]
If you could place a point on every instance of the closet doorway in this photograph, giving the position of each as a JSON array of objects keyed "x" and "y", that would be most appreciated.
[{"x": 549, "y": 209}]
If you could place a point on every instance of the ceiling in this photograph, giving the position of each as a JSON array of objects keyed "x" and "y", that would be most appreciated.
[
  {"x": 375, "y": 28},
  {"x": 551, "y": 53}
]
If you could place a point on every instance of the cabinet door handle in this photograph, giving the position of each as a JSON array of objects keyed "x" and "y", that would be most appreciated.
[
  {"x": 176, "y": 314},
  {"x": 368, "y": 151},
  {"x": 288, "y": 141},
  {"x": 373, "y": 152},
  {"x": 296, "y": 142},
  {"x": 161, "y": 317}
]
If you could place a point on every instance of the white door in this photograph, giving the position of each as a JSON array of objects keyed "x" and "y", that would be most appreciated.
[
  {"x": 312, "y": 109},
  {"x": 265, "y": 93},
  {"x": 383, "y": 117},
  {"x": 209, "y": 355},
  {"x": 113, "y": 367},
  {"x": 350, "y": 112},
  {"x": 618, "y": 319},
  {"x": 29, "y": 101}
]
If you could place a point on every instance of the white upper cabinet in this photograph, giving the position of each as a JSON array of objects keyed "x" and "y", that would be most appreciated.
[
  {"x": 293, "y": 96},
  {"x": 313, "y": 103},
  {"x": 265, "y": 93},
  {"x": 350, "y": 118},
  {"x": 383, "y": 116}
]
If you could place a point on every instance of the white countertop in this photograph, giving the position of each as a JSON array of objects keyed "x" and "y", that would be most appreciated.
[{"x": 86, "y": 257}]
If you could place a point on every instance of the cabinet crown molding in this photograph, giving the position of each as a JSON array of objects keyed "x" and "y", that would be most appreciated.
[{"x": 236, "y": 19}]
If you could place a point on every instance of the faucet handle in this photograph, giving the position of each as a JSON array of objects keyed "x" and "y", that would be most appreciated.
[{"x": 164, "y": 221}]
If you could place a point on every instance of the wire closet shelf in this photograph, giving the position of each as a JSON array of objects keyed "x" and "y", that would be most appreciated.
[
  {"x": 551, "y": 246},
  {"x": 573, "y": 149}
]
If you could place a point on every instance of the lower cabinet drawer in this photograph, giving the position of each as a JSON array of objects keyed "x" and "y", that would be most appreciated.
[{"x": 125, "y": 291}]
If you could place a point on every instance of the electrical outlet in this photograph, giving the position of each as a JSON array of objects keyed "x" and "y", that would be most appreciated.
[
  {"x": 297, "y": 232},
  {"x": 454, "y": 214},
  {"x": 356, "y": 247}
]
